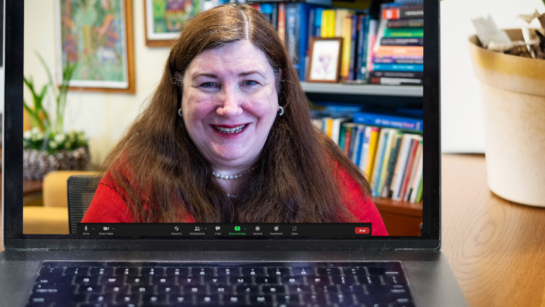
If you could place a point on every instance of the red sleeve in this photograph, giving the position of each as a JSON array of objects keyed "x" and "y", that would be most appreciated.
[
  {"x": 107, "y": 206},
  {"x": 359, "y": 204}
]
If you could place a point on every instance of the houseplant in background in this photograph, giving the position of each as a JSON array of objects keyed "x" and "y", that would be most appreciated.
[
  {"x": 47, "y": 147},
  {"x": 511, "y": 68}
]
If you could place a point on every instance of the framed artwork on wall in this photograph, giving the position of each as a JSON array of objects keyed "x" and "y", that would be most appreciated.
[
  {"x": 325, "y": 59},
  {"x": 98, "y": 36},
  {"x": 164, "y": 19}
]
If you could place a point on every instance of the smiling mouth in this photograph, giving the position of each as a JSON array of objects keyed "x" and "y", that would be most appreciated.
[{"x": 230, "y": 130}]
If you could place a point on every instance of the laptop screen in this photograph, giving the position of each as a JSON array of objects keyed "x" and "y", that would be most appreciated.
[{"x": 188, "y": 119}]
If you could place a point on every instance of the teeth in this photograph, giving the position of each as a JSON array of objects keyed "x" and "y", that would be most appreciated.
[{"x": 230, "y": 130}]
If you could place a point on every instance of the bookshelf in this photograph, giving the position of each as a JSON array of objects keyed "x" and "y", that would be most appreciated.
[{"x": 402, "y": 91}]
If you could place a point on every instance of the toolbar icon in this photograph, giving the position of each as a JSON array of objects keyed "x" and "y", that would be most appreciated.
[
  {"x": 176, "y": 228},
  {"x": 276, "y": 228},
  {"x": 257, "y": 228},
  {"x": 237, "y": 228},
  {"x": 218, "y": 228}
]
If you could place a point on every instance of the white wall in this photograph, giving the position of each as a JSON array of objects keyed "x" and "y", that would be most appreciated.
[
  {"x": 462, "y": 124},
  {"x": 103, "y": 117}
]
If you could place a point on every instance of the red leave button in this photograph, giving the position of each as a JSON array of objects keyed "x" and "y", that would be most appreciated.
[{"x": 362, "y": 230}]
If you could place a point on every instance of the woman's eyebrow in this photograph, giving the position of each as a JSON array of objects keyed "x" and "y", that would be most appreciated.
[
  {"x": 251, "y": 72},
  {"x": 205, "y": 75}
]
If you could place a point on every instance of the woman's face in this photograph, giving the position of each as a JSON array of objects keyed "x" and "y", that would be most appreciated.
[{"x": 229, "y": 103}]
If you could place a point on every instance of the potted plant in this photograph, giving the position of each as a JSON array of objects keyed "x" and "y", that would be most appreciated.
[
  {"x": 513, "y": 96},
  {"x": 47, "y": 147}
]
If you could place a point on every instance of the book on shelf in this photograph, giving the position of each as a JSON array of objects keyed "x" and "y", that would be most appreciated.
[
  {"x": 388, "y": 121},
  {"x": 396, "y": 74},
  {"x": 402, "y": 12},
  {"x": 397, "y": 81},
  {"x": 405, "y": 23},
  {"x": 402, "y": 41},
  {"x": 389, "y": 158},
  {"x": 403, "y": 32}
]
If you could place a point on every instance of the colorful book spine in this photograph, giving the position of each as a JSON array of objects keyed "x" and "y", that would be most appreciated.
[
  {"x": 361, "y": 48},
  {"x": 419, "y": 194},
  {"x": 399, "y": 60},
  {"x": 267, "y": 10},
  {"x": 412, "y": 184},
  {"x": 398, "y": 67},
  {"x": 405, "y": 23},
  {"x": 397, "y": 81},
  {"x": 328, "y": 23},
  {"x": 381, "y": 179},
  {"x": 404, "y": 32},
  {"x": 282, "y": 22},
  {"x": 347, "y": 139},
  {"x": 400, "y": 165},
  {"x": 371, "y": 37},
  {"x": 346, "y": 48},
  {"x": 317, "y": 29},
  {"x": 275, "y": 16},
  {"x": 396, "y": 74},
  {"x": 365, "y": 148},
  {"x": 391, "y": 164},
  {"x": 358, "y": 145},
  {"x": 353, "y": 51},
  {"x": 297, "y": 35},
  {"x": 388, "y": 121},
  {"x": 399, "y": 50},
  {"x": 341, "y": 137},
  {"x": 373, "y": 142},
  {"x": 402, "y": 41},
  {"x": 377, "y": 167},
  {"x": 409, "y": 12},
  {"x": 408, "y": 170}
]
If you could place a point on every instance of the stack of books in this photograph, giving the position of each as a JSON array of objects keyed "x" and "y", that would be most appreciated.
[
  {"x": 387, "y": 149},
  {"x": 398, "y": 53}
]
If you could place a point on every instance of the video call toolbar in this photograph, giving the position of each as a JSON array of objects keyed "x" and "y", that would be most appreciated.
[{"x": 225, "y": 230}]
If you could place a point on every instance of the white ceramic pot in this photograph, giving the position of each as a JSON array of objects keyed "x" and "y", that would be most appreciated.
[{"x": 513, "y": 96}]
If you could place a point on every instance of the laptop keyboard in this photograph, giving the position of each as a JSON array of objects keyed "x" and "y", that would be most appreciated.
[{"x": 135, "y": 284}]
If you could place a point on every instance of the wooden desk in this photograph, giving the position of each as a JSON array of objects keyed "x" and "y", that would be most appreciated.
[{"x": 496, "y": 248}]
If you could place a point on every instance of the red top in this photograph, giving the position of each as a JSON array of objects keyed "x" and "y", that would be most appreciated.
[{"x": 109, "y": 207}]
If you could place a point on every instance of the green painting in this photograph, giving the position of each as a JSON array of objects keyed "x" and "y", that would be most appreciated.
[
  {"x": 93, "y": 34},
  {"x": 164, "y": 18}
]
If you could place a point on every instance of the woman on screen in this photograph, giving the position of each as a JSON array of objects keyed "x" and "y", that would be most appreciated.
[{"x": 228, "y": 138}]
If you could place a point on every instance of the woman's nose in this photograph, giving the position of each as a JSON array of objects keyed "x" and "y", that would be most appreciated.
[{"x": 229, "y": 105}]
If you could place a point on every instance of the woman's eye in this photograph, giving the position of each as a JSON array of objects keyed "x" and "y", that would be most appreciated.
[
  {"x": 208, "y": 84},
  {"x": 250, "y": 83}
]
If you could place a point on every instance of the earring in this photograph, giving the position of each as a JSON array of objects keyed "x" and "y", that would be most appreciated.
[
  {"x": 180, "y": 112},
  {"x": 281, "y": 111}
]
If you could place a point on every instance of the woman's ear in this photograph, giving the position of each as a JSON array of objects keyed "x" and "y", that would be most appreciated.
[{"x": 278, "y": 82}]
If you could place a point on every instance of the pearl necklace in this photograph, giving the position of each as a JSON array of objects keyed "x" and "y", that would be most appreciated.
[{"x": 230, "y": 177}]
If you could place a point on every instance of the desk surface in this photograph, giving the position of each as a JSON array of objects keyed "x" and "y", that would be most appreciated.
[{"x": 496, "y": 248}]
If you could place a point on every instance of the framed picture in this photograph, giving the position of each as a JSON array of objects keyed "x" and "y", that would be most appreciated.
[
  {"x": 164, "y": 20},
  {"x": 98, "y": 36},
  {"x": 325, "y": 59}
]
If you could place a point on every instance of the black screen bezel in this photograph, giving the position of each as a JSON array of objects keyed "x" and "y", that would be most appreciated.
[{"x": 13, "y": 169}]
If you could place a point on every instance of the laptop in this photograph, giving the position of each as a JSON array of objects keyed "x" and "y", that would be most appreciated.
[{"x": 290, "y": 265}]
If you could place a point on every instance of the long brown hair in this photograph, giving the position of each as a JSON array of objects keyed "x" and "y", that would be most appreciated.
[{"x": 163, "y": 177}]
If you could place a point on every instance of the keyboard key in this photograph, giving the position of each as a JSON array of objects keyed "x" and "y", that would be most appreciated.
[
  {"x": 395, "y": 280},
  {"x": 303, "y": 271},
  {"x": 328, "y": 271},
  {"x": 112, "y": 280},
  {"x": 369, "y": 280},
  {"x": 292, "y": 280},
  {"x": 100, "y": 298},
  {"x": 101, "y": 272},
  {"x": 318, "y": 281},
  {"x": 179, "y": 300},
  {"x": 228, "y": 272},
  {"x": 202, "y": 272},
  {"x": 242, "y": 289},
  {"x": 190, "y": 280},
  {"x": 267, "y": 280},
  {"x": 55, "y": 280},
  {"x": 376, "y": 270},
  {"x": 340, "y": 298},
  {"x": 215, "y": 280},
  {"x": 168, "y": 289},
  {"x": 116, "y": 289},
  {"x": 51, "y": 271},
  {"x": 137, "y": 280},
  {"x": 154, "y": 299},
  {"x": 343, "y": 280},
  {"x": 177, "y": 271},
  {"x": 194, "y": 289},
  {"x": 87, "y": 289},
  {"x": 273, "y": 289},
  {"x": 241, "y": 280},
  {"x": 56, "y": 297},
  {"x": 299, "y": 289},
  {"x": 212, "y": 300},
  {"x": 326, "y": 289},
  {"x": 163, "y": 280},
  {"x": 127, "y": 298},
  {"x": 234, "y": 300},
  {"x": 86, "y": 280},
  {"x": 152, "y": 272},
  {"x": 314, "y": 299},
  {"x": 142, "y": 289},
  {"x": 278, "y": 272},
  {"x": 76, "y": 271},
  {"x": 346, "y": 289},
  {"x": 354, "y": 271},
  {"x": 253, "y": 272},
  {"x": 126, "y": 271},
  {"x": 256, "y": 300},
  {"x": 221, "y": 289},
  {"x": 287, "y": 299}
]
